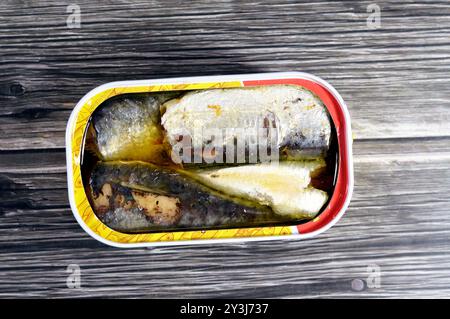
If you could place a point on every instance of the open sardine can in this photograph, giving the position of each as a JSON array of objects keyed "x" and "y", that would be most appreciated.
[{"x": 127, "y": 189}]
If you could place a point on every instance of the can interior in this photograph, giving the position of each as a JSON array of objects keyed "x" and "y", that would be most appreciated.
[{"x": 326, "y": 181}]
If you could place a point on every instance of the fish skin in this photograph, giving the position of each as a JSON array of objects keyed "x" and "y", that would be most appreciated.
[
  {"x": 284, "y": 186},
  {"x": 128, "y": 128},
  {"x": 301, "y": 121},
  {"x": 200, "y": 206}
]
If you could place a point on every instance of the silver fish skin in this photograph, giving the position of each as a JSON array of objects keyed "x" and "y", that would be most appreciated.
[
  {"x": 128, "y": 128},
  {"x": 300, "y": 120}
]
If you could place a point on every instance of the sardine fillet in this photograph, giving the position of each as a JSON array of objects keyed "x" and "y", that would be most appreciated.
[
  {"x": 136, "y": 196},
  {"x": 284, "y": 187},
  {"x": 301, "y": 120}
]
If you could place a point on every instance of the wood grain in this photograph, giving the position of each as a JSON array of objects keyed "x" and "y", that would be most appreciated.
[
  {"x": 395, "y": 81},
  {"x": 385, "y": 75}
]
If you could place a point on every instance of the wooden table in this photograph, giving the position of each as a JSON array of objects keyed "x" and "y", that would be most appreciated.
[{"x": 395, "y": 80}]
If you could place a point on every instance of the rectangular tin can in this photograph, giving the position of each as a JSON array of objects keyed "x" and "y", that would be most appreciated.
[{"x": 87, "y": 219}]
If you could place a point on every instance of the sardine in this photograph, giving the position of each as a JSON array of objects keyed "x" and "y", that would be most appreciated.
[
  {"x": 294, "y": 117},
  {"x": 285, "y": 187},
  {"x": 128, "y": 127},
  {"x": 136, "y": 196}
]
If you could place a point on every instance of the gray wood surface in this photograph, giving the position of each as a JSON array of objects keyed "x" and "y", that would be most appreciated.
[{"x": 395, "y": 80}]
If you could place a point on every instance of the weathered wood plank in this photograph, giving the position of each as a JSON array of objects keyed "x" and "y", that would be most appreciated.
[
  {"x": 398, "y": 220},
  {"x": 385, "y": 75},
  {"x": 395, "y": 80},
  {"x": 41, "y": 161}
]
